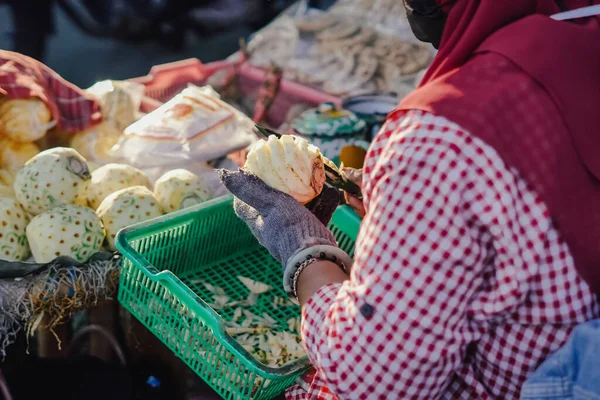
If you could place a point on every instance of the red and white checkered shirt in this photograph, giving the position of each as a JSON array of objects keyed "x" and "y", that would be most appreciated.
[{"x": 460, "y": 287}]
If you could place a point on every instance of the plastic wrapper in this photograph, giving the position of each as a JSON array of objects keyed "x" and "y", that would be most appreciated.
[
  {"x": 194, "y": 126},
  {"x": 120, "y": 101},
  {"x": 387, "y": 16},
  {"x": 342, "y": 53},
  {"x": 275, "y": 44}
]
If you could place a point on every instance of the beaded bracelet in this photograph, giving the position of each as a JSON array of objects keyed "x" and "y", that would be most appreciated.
[
  {"x": 319, "y": 252},
  {"x": 306, "y": 263},
  {"x": 301, "y": 268}
]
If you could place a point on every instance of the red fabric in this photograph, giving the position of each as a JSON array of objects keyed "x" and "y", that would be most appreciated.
[
  {"x": 23, "y": 77},
  {"x": 528, "y": 86},
  {"x": 461, "y": 285}
]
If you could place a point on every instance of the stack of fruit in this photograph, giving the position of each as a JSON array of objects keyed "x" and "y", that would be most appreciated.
[{"x": 55, "y": 206}]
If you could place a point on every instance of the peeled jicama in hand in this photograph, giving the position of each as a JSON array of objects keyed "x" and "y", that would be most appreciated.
[
  {"x": 289, "y": 164},
  {"x": 24, "y": 120}
]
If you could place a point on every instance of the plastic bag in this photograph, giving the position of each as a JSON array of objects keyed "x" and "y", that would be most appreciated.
[
  {"x": 388, "y": 16},
  {"x": 194, "y": 126},
  {"x": 120, "y": 101},
  {"x": 276, "y": 44},
  {"x": 342, "y": 53}
]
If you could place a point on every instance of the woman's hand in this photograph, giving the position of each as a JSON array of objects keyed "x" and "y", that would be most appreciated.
[
  {"x": 355, "y": 176},
  {"x": 285, "y": 227}
]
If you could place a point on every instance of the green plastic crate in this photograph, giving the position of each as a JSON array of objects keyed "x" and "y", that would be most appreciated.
[{"x": 164, "y": 262}]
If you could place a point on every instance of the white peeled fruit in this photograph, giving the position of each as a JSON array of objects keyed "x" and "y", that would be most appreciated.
[
  {"x": 178, "y": 189},
  {"x": 127, "y": 207},
  {"x": 289, "y": 164},
  {"x": 111, "y": 178},
  {"x": 24, "y": 120},
  {"x": 52, "y": 178},
  {"x": 66, "y": 230},
  {"x": 13, "y": 222}
]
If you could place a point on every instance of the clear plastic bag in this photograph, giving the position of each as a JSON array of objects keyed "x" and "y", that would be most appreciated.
[
  {"x": 120, "y": 101},
  {"x": 194, "y": 126},
  {"x": 387, "y": 16},
  {"x": 346, "y": 51}
]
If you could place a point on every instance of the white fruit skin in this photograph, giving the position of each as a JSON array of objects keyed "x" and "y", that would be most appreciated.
[
  {"x": 111, "y": 178},
  {"x": 66, "y": 230},
  {"x": 171, "y": 188},
  {"x": 119, "y": 210},
  {"x": 13, "y": 223},
  {"x": 46, "y": 182},
  {"x": 286, "y": 164}
]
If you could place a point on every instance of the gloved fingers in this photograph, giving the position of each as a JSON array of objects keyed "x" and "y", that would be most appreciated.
[
  {"x": 244, "y": 211},
  {"x": 324, "y": 205},
  {"x": 356, "y": 204},
  {"x": 253, "y": 191},
  {"x": 354, "y": 175}
]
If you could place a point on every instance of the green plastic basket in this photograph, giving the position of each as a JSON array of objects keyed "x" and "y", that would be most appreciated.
[{"x": 164, "y": 262}]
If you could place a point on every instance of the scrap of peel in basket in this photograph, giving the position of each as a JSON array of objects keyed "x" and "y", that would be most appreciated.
[{"x": 272, "y": 343}]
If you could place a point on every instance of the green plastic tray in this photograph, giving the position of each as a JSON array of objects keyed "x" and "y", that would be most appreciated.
[{"x": 164, "y": 262}]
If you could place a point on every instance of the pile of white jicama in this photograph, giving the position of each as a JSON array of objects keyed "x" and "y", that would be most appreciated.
[
  {"x": 55, "y": 205},
  {"x": 261, "y": 335}
]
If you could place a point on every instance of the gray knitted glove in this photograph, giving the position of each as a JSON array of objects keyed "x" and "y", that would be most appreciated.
[{"x": 289, "y": 230}]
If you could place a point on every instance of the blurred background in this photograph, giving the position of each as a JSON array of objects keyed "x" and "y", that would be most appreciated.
[{"x": 89, "y": 40}]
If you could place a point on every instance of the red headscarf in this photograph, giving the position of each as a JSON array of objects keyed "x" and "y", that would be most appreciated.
[
  {"x": 495, "y": 52},
  {"x": 471, "y": 23}
]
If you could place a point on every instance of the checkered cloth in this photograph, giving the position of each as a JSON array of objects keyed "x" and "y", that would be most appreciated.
[
  {"x": 23, "y": 77},
  {"x": 461, "y": 284}
]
